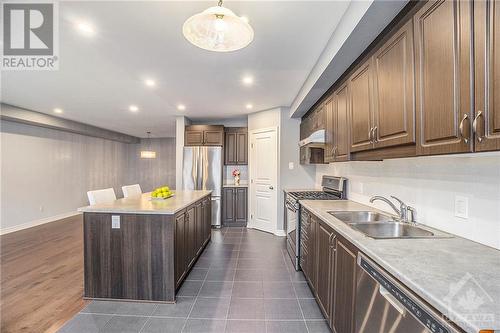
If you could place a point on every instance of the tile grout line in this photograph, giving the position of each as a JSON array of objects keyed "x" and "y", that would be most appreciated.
[
  {"x": 232, "y": 286},
  {"x": 295, "y": 292}
]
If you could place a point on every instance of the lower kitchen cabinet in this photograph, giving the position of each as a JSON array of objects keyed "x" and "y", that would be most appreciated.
[
  {"x": 192, "y": 233},
  {"x": 329, "y": 264},
  {"x": 234, "y": 206}
]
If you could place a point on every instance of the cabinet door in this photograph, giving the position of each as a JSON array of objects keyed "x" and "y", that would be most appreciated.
[
  {"x": 213, "y": 138},
  {"x": 179, "y": 248},
  {"x": 199, "y": 227},
  {"x": 361, "y": 102},
  {"x": 487, "y": 71},
  {"x": 345, "y": 288},
  {"x": 240, "y": 206},
  {"x": 341, "y": 124},
  {"x": 207, "y": 219},
  {"x": 323, "y": 239},
  {"x": 242, "y": 148},
  {"x": 230, "y": 157},
  {"x": 394, "y": 111},
  {"x": 329, "y": 111},
  {"x": 193, "y": 138},
  {"x": 190, "y": 236},
  {"x": 443, "y": 67},
  {"x": 228, "y": 214},
  {"x": 306, "y": 253}
]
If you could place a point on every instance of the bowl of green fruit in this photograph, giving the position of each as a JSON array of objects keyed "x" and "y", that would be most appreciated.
[{"x": 161, "y": 193}]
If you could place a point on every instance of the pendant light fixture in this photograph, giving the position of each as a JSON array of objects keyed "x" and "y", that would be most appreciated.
[
  {"x": 218, "y": 29},
  {"x": 148, "y": 153}
]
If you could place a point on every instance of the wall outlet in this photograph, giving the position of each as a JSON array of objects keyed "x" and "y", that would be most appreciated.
[
  {"x": 461, "y": 207},
  {"x": 41, "y": 208},
  {"x": 290, "y": 165},
  {"x": 115, "y": 221}
]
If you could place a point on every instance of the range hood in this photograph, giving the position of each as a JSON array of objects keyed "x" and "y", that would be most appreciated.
[
  {"x": 312, "y": 148},
  {"x": 316, "y": 139}
]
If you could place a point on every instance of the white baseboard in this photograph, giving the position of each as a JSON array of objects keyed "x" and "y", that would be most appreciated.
[
  {"x": 35, "y": 223},
  {"x": 280, "y": 233}
]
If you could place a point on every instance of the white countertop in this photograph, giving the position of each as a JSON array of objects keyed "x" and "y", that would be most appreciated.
[
  {"x": 144, "y": 205},
  {"x": 459, "y": 277}
]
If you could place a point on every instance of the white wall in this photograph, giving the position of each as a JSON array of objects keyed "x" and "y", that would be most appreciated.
[
  {"x": 430, "y": 184},
  {"x": 180, "y": 123},
  {"x": 45, "y": 173}
]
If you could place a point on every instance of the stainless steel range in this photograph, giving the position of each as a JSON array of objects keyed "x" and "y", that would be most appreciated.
[{"x": 333, "y": 189}]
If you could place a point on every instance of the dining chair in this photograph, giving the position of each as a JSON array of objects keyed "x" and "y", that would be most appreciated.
[
  {"x": 131, "y": 190},
  {"x": 106, "y": 195}
]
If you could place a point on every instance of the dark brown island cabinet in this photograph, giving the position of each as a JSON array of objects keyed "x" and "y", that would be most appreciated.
[
  {"x": 142, "y": 250},
  {"x": 236, "y": 146},
  {"x": 428, "y": 85},
  {"x": 204, "y": 135},
  {"x": 234, "y": 206}
]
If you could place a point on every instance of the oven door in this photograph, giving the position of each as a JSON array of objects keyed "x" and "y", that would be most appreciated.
[{"x": 292, "y": 232}]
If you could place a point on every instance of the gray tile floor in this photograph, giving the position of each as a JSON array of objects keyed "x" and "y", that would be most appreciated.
[{"x": 243, "y": 283}]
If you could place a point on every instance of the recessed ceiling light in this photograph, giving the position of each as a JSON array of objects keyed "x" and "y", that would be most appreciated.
[
  {"x": 181, "y": 107},
  {"x": 249, "y": 106},
  {"x": 150, "y": 83},
  {"x": 247, "y": 80},
  {"x": 85, "y": 29},
  {"x": 133, "y": 108},
  {"x": 58, "y": 110}
]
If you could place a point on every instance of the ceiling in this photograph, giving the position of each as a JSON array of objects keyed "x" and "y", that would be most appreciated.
[{"x": 99, "y": 77}]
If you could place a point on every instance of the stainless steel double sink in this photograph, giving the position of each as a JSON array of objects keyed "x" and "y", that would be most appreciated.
[{"x": 381, "y": 226}]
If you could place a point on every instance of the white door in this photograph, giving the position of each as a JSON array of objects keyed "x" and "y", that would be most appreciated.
[{"x": 263, "y": 179}]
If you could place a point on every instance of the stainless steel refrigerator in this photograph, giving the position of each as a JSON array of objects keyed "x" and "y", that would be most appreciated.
[{"x": 202, "y": 170}]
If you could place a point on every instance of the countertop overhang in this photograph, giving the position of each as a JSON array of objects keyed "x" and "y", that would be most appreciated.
[
  {"x": 144, "y": 205},
  {"x": 445, "y": 272}
]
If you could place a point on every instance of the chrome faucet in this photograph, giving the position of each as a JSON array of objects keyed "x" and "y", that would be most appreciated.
[{"x": 405, "y": 212}]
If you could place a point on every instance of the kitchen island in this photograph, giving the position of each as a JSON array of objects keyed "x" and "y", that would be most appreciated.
[{"x": 140, "y": 249}]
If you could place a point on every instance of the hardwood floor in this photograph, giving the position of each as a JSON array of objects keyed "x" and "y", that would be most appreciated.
[{"x": 41, "y": 276}]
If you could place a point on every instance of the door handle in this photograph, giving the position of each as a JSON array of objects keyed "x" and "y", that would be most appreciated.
[
  {"x": 392, "y": 300},
  {"x": 271, "y": 187},
  {"x": 474, "y": 126},
  {"x": 461, "y": 128}
]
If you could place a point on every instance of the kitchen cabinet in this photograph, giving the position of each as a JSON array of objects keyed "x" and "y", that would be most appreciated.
[
  {"x": 204, "y": 135},
  {"x": 443, "y": 77},
  {"x": 313, "y": 121},
  {"x": 393, "y": 74},
  {"x": 337, "y": 126},
  {"x": 486, "y": 124},
  {"x": 236, "y": 146},
  {"x": 361, "y": 107},
  {"x": 330, "y": 267},
  {"x": 192, "y": 233},
  {"x": 234, "y": 206}
]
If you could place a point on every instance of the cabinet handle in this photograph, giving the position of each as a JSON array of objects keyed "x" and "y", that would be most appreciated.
[
  {"x": 375, "y": 133},
  {"x": 461, "y": 128},
  {"x": 474, "y": 127},
  {"x": 370, "y": 135},
  {"x": 330, "y": 241}
]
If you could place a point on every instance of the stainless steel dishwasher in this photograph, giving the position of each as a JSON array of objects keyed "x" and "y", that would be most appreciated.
[{"x": 383, "y": 305}]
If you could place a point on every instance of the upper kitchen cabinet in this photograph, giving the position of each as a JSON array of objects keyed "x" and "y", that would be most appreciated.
[
  {"x": 486, "y": 124},
  {"x": 443, "y": 77},
  {"x": 236, "y": 146},
  {"x": 313, "y": 121},
  {"x": 204, "y": 135},
  {"x": 361, "y": 104},
  {"x": 394, "y": 107},
  {"x": 336, "y": 111}
]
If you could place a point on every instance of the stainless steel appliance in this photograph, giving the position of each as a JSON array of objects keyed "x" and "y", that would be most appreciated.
[
  {"x": 202, "y": 170},
  {"x": 385, "y": 305},
  {"x": 333, "y": 189}
]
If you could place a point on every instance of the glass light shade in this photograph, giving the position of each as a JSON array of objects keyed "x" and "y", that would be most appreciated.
[
  {"x": 218, "y": 29},
  {"x": 148, "y": 154}
]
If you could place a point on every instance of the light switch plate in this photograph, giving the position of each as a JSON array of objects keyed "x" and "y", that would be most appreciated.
[
  {"x": 461, "y": 207},
  {"x": 115, "y": 221},
  {"x": 290, "y": 165}
]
